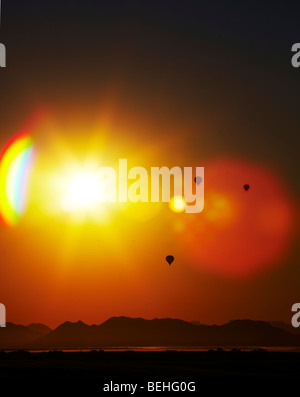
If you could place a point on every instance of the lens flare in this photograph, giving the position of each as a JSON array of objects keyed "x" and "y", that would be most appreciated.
[
  {"x": 15, "y": 163},
  {"x": 241, "y": 234},
  {"x": 177, "y": 204}
]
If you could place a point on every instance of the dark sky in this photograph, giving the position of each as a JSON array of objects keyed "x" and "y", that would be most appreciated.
[{"x": 227, "y": 63}]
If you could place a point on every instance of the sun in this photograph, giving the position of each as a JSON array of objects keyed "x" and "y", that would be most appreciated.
[{"x": 82, "y": 191}]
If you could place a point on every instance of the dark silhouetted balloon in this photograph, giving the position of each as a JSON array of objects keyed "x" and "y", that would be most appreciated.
[
  {"x": 246, "y": 187},
  {"x": 198, "y": 180},
  {"x": 170, "y": 259}
]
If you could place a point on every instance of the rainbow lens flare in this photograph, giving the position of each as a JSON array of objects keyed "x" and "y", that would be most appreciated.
[{"x": 15, "y": 162}]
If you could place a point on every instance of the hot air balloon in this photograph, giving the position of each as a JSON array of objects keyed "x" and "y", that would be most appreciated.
[
  {"x": 170, "y": 259},
  {"x": 246, "y": 187},
  {"x": 198, "y": 180}
]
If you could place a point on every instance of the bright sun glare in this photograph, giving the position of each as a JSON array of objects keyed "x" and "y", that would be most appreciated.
[
  {"x": 177, "y": 204},
  {"x": 82, "y": 191}
]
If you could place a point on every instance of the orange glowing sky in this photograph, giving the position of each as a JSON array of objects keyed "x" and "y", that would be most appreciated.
[{"x": 111, "y": 261}]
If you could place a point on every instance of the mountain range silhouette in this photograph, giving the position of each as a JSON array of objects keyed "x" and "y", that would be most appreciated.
[{"x": 138, "y": 332}]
